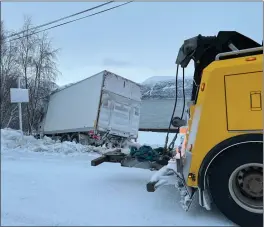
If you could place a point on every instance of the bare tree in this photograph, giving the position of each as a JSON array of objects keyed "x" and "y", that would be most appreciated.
[
  {"x": 26, "y": 43},
  {"x": 45, "y": 69},
  {"x": 34, "y": 59},
  {"x": 9, "y": 74}
]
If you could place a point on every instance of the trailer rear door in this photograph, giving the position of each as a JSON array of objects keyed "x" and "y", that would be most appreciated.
[
  {"x": 119, "y": 115},
  {"x": 120, "y": 119}
]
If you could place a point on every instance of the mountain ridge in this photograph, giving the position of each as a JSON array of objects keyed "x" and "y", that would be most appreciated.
[
  {"x": 159, "y": 87},
  {"x": 156, "y": 87}
]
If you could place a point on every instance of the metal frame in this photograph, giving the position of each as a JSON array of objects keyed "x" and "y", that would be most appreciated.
[
  {"x": 163, "y": 130},
  {"x": 238, "y": 52}
]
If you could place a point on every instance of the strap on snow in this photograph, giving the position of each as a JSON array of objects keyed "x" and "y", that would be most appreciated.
[{"x": 146, "y": 153}]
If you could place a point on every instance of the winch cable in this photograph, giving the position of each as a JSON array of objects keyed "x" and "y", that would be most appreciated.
[
  {"x": 183, "y": 94},
  {"x": 171, "y": 146},
  {"x": 174, "y": 108}
]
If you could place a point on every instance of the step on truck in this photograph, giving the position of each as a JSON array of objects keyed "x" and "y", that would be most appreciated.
[
  {"x": 103, "y": 109},
  {"x": 218, "y": 151}
]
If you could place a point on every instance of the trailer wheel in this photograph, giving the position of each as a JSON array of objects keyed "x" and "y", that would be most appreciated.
[
  {"x": 109, "y": 145},
  {"x": 236, "y": 184},
  {"x": 75, "y": 138},
  {"x": 64, "y": 138}
]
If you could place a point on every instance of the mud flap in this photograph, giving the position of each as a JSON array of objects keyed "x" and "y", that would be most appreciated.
[{"x": 151, "y": 186}]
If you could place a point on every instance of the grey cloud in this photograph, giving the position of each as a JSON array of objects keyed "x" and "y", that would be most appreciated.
[{"x": 113, "y": 62}]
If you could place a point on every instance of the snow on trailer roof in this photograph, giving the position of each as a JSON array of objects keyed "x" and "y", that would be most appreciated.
[{"x": 105, "y": 72}]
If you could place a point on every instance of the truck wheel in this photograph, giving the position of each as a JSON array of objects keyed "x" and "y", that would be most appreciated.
[{"x": 236, "y": 184}]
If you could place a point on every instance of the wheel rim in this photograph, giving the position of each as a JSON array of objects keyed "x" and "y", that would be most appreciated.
[{"x": 246, "y": 187}]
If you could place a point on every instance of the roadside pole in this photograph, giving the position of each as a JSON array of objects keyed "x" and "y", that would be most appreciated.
[
  {"x": 19, "y": 107},
  {"x": 19, "y": 95}
]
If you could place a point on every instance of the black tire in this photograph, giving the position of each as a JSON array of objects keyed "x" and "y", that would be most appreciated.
[
  {"x": 109, "y": 145},
  {"x": 219, "y": 174},
  {"x": 75, "y": 138},
  {"x": 64, "y": 138}
]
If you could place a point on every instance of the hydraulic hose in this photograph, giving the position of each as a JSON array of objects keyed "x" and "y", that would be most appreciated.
[
  {"x": 171, "y": 146},
  {"x": 174, "y": 108},
  {"x": 183, "y": 93}
]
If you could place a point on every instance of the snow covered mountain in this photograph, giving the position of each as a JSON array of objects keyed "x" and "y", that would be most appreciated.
[
  {"x": 157, "y": 87},
  {"x": 156, "y": 79},
  {"x": 163, "y": 87}
]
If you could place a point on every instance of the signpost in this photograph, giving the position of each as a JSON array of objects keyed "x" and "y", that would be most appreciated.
[{"x": 19, "y": 95}]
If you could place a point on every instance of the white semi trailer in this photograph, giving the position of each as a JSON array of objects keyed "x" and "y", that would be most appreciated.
[{"x": 101, "y": 109}]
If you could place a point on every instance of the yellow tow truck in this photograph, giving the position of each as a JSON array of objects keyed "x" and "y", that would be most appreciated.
[{"x": 220, "y": 154}]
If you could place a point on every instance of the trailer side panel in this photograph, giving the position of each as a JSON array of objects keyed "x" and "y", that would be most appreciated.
[{"x": 75, "y": 107}]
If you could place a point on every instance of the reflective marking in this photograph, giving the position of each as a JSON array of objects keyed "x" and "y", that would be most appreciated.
[
  {"x": 194, "y": 126},
  {"x": 191, "y": 139}
]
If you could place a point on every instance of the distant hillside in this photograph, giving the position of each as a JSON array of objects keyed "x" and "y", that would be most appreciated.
[
  {"x": 156, "y": 87},
  {"x": 163, "y": 87},
  {"x": 156, "y": 79}
]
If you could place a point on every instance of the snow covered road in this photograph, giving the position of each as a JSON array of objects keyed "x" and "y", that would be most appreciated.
[{"x": 48, "y": 189}]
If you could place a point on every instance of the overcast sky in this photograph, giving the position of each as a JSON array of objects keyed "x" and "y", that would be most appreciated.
[{"x": 136, "y": 41}]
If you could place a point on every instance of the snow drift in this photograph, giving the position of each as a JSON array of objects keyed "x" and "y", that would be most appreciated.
[{"x": 13, "y": 140}]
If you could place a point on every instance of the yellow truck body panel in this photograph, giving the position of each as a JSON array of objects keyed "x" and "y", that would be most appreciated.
[{"x": 230, "y": 104}]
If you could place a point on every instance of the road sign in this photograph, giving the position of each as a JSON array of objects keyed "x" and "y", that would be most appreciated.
[{"x": 19, "y": 95}]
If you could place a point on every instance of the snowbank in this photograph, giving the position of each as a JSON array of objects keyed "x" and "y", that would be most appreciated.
[{"x": 13, "y": 140}]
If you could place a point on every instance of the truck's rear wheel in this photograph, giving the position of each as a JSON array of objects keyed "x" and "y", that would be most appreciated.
[{"x": 236, "y": 184}]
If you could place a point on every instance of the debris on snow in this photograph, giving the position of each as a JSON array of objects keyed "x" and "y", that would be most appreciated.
[{"x": 14, "y": 140}]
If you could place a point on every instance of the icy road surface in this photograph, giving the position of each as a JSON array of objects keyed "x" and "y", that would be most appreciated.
[
  {"x": 61, "y": 188},
  {"x": 39, "y": 189}
]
